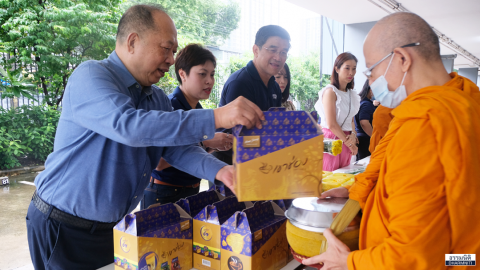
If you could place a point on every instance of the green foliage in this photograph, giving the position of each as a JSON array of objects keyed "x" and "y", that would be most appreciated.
[
  {"x": 26, "y": 131},
  {"x": 305, "y": 79},
  {"x": 17, "y": 86},
  {"x": 56, "y": 36},
  {"x": 200, "y": 21}
]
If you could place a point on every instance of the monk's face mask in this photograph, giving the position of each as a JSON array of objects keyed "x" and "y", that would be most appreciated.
[{"x": 390, "y": 99}]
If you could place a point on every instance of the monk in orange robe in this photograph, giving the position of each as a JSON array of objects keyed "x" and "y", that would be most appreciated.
[
  {"x": 420, "y": 193},
  {"x": 381, "y": 119}
]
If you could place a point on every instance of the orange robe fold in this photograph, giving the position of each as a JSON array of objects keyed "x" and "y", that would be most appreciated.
[
  {"x": 421, "y": 190},
  {"x": 381, "y": 119}
]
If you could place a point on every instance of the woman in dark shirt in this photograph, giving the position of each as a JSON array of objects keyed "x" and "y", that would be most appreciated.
[
  {"x": 195, "y": 71},
  {"x": 363, "y": 121}
]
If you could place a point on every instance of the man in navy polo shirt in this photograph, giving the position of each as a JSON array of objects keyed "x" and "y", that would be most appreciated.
[{"x": 256, "y": 80}]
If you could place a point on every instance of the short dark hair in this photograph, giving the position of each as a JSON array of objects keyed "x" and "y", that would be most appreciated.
[
  {"x": 342, "y": 58},
  {"x": 286, "y": 92},
  {"x": 268, "y": 31},
  {"x": 137, "y": 18},
  {"x": 190, "y": 56},
  {"x": 365, "y": 90}
]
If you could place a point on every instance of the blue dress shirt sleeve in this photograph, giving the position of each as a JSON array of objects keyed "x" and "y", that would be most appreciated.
[{"x": 104, "y": 107}]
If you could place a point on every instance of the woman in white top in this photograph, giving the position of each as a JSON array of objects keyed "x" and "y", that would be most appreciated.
[{"x": 337, "y": 106}]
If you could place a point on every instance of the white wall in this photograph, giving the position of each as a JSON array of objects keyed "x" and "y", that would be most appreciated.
[{"x": 354, "y": 37}]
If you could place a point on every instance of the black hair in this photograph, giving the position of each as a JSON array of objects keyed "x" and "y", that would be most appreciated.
[
  {"x": 286, "y": 92},
  {"x": 138, "y": 18},
  {"x": 190, "y": 56},
  {"x": 342, "y": 58},
  {"x": 268, "y": 31},
  {"x": 365, "y": 90}
]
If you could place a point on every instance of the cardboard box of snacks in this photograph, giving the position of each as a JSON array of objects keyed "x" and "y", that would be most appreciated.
[
  {"x": 155, "y": 238},
  {"x": 206, "y": 232},
  {"x": 255, "y": 239},
  {"x": 282, "y": 160},
  {"x": 195, "y": 203}
]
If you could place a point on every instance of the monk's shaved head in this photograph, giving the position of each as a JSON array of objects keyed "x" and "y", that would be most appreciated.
[{"x": 403, "y": 28}]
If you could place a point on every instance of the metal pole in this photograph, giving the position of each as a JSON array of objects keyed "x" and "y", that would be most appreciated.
[
  {"x": 331, "y": 35},
  {"x": 321, "y": 49}
]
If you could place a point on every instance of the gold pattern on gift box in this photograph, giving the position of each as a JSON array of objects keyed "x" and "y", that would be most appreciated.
[
  {"x": 264, "y": 133},
  {"x": 303, "y": 139},
  {"x": 176, "y": 229},
  {"x": 236, "y": 242},
  {"x": 274, "y": 148},
  {"x": 275, "y": 133},
  {"x": 302, "y": 126},
  {"x": 291, "y": 114},
  {"x": 286, "y": 132},
  {"x": 269, "y": 114},
  {"x": 257, "y": 155},
  {"x": 263, "y": 148},
  {"x": 164, "y": 213},
  {"x": 253, "y": 133},
  {"x": 291, "y": 141},
  {"x": 169, "y": 231},
  {"x": 141, "y": 219},
  {"x": 245, "y": 156},
  {"x": 269, "y": 127},
  {"x": 149, "y": 217},
  {"x": 281, "y": 114},
  {"x": 297, "y": 121},
  {"x": 239, "y": 148},
  {"x": 264, "y": 122},
  {"x": 280, "y": 127},
  {"x": 303, "y": 113},
  {"x": 162, "y": 234},
  {"x": 224, "y": 243},
  {"x": 308, "y": 121},
  {"x": 275, "y": 122},
  {"x": 286, "y": 121},
  {"x": 307, "y": 132},
  {"x": 157, "y": 215},
  {"x": 280, "y": 142},
  {"x": 291, "y": 127},
  {"x": 296, "y": 132}
]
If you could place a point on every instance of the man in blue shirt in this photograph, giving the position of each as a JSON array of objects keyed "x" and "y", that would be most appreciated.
[
  {"x": 256, "y": 80},
  {"x": 114, "y": 128}
]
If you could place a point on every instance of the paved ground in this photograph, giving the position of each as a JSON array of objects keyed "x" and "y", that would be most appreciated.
[{"x": 14, "y": 201}]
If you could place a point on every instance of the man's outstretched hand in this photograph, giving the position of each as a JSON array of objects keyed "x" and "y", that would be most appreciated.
[
  {"x": 226, "y": 175},
  {"x": 241, "y": 111}
]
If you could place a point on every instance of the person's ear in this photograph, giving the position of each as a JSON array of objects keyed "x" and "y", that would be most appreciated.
[
  {"x": 132, "y": 40},
  {"x": 256, "y": 50},
  {"x": 405, "y": 58},
  {"x": 183, "y": 75},
  {"x": 337, "y": 70}
]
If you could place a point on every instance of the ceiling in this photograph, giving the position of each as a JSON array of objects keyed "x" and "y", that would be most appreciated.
[{"x": 458, "y": 20}]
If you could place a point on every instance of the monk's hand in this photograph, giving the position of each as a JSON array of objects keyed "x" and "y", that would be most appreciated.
[
  {"x": 221, "y": 141},
  {"x": 241, "y": 111},
  {"x": 335, "y": 257},
  {"x": 339, "y": 192},
  {"x": 226, "y": 175}
]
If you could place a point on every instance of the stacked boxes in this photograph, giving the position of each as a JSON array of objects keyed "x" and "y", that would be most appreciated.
[
  {"x": 206, "y": 232},
  {"x": 282, "y": 160},
  {"x": 255, "y": 239},
  {"x": 195, "y": 203},
  {"x": 156, "y": 238}
]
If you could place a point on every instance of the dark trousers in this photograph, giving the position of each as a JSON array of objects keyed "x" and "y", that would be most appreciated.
[
  {"x": 55, "y": 245},
  {"x": 155, "y": 193},
  {"x": 363, "y": 145}
]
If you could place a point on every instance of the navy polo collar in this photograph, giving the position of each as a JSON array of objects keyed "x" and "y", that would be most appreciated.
[
  {"x": 253, "y": 72},
  {"x": 178, "y": 94}
]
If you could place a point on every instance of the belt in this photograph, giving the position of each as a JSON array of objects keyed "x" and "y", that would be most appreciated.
[
  {"x": 69, "y": 219},
  {"x": 158, "y": 182}
]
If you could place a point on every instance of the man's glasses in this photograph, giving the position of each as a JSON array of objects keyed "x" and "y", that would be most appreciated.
[
  {"x": 273, "y": 51},
  {"x": 368, "y": 72}
]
